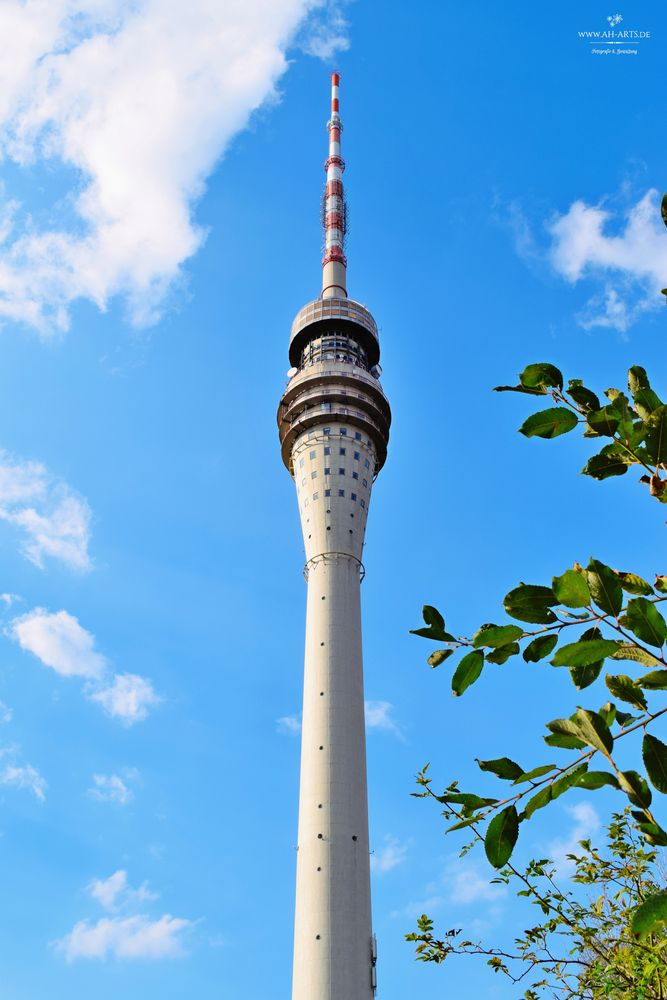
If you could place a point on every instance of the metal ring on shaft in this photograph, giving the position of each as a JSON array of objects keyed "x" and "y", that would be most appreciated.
[{"x": 322, "y": 557}]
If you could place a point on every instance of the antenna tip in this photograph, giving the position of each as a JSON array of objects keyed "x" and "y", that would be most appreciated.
[{"x": 335, "y": 79}]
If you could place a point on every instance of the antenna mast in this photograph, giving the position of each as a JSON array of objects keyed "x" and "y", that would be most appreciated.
[{"x": 334, "y": 262}]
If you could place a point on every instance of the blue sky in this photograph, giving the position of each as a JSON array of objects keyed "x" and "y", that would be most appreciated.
[{"x": 161, "y": 176}]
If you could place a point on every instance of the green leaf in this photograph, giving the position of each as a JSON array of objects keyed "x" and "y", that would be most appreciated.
[
  {"x": 549, "y": 423},
  {"x": 628, "y": 651},
  {"x": 539, "y": 648},
  {"x": 538, "y": 801},
  {"x": 496, "y": 635},
  {"x": 583, "y": 677},
  {"x": 608, "y": 713},
  {"x": 604, "y": 464},
  {"x": 436, "y": 626},
  {"x": 503, "y": 654},
  {"x": 653, "y": 833},
  {"x": 650, "y": 915},
  {"x": 636, "y": 788},
  {"x": 623, "y": 687},
  {"x": 656, "y": 680},
  {"x": 654, "y": 753},
  {"x": 656, "y": 436},
  {"x": 663, "y": 208},
  {"x": 531, "y": 603},
  {"x": 594, "y": 731},
  {"x": 501, "y": 836},
  {"x": 469, "y": 801},
  {"x": 626, "y": 719},
  {"x": 541, "y": 376},
  {"x": 592, "y": 780},
  {"x": 439, "y": 656},
  {"x": 536, "y": 772},
  {"x": 661, "y": 583},
  {"x": 571, "y": 589},
  {"x": 568, "y": 728},
  {"x": 604, "y": 421},
  {"x": 568, "y": 780},
  {"x": 605, "y": 587},
  {"x": 643, "y": 618},
  {"x": 584, "y": 652},
  {"x": 503, "y": 767},
  {"x": 580, "y": 394},
  {"x": 564, "y": 741},
  {"x": 633, "y": 584},
  {"x": 467, "y": 671},
  {"x": 520, "y": 388}
]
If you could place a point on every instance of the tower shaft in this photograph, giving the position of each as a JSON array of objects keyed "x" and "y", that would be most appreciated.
[{"x": 333, "y": 422}]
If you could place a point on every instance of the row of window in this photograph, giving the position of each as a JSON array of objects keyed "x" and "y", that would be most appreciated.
[
  {"x": 328, "y": 493},
  {"x": 327, "y": 472},
  {"x": 341, "y": 451}
]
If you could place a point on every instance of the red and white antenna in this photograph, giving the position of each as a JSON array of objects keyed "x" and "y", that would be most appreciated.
[{"x": 334, "y": 262}]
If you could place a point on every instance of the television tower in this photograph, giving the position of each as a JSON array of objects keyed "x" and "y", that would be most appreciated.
[{"x": 334, "y": 422}]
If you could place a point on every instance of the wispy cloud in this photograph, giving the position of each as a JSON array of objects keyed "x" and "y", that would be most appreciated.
[
  {"x": 137, "y": 100},
  {"x": 115, "y": 892},
  {"x": 128, "y": 697},
  {"x": 392, "y": 854},
  {"x": 627, "y": 258},
  {"x": 6, "y": 713},
  {"x": 53, "y": 519},
  {"x": 17, "y": 774},
  {"x": 380, "y": 718},
  {"x": 60, "y": 642},
  {"x": 126, "y": 935},
  {"x": 463, "y": 883},
  {"x": 290, "y": 724},
  {"x": 135, "y": 937},
  {"x": 585, "y": 822},
  {"x": 113, "y": 787}
]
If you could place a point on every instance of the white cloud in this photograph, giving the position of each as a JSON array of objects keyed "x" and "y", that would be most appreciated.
[
  {"x": 137, "y": 99},
  {"x": 128, "y": 698},
  {"x": 15, "y": 774},
  {"x": 6, "y": 714},
  {"x": 113, "y": 892},
  {"x": 468, "y": 882},
  {"x": 463, "y": 883},
  {"x": 134, "y": 937},
  {"x": 113, "y": 788},
  {"x": 392, "y": 854},
  {"x": 379, "y": 716},
  {"x": 289, "y": 724},
  {"x": 59, "y": 642},
  {"x": 127, "y": 936},
  {"x": 54, "y": 519},
  {"x": 9, "y": 599},
  {"x": 630, "y": 264},
  {"x": 586, "y": 822}
]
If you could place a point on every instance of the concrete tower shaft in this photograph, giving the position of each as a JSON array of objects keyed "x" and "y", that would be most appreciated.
[{"x": 333, "y": 422}]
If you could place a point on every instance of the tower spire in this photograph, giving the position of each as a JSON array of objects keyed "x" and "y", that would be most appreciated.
[{"x": 334, "y": 215}]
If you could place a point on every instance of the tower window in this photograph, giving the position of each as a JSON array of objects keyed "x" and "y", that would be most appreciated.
[
  {"x": 355, "y": 475},
  {"x": 327, "y": 451},
  {"x": 363, "y": 503},
  {"x": 341, "y": 493},
  {"x": 357, "y": 436},
  {"x": 313, "y": 454},
  {"x": 353, "y": 496},
  {"x": 313, "y": 475},
  {"x": 341, "y": 472},
  {"x": 356, "y": 456},
  {"x": 343, "y": 430},
  {"x": 327, "y": 493},
  {"x": 327, "y": 430},
  {"x": 341, "y": 451},
  {"x": 367, "y": 464},
  {"x": 301, "y": 461},
  {"x": 316, "y": 496},
  {"x": 365, "y": 482},
  {"x": 327, "y": 470}
]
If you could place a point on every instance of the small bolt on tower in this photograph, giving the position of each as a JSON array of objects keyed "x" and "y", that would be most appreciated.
[{"x": 333, "y": 421}]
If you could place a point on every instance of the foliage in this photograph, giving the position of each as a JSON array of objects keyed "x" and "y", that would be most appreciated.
[
  {"x": 581, "y": 947},
  {"x": 589, "y": 620},
  {"x": 593, "y": 621}
]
